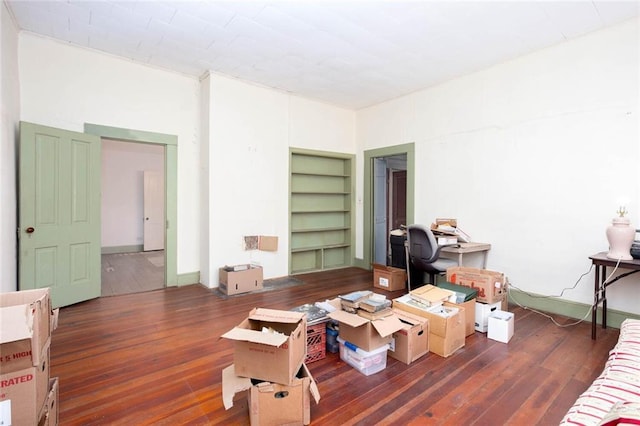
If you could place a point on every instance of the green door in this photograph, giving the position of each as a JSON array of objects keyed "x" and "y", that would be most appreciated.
[{"x": 59, "y": 213}]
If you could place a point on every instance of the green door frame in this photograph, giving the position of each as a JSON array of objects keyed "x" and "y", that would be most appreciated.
[
  {"x": 369, "y": 155},
  {"x": 170, "y": 143}
]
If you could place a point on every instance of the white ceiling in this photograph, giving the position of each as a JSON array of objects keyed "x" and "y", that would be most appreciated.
[{"x": 348, "y": 53}]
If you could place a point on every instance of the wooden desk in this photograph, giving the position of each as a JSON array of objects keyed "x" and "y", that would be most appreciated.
[
  {"x": 601, "y": 262},
  {"x": 462, "y": 248}
]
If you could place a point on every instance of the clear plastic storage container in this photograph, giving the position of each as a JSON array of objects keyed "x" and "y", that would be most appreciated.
[{"x": 365, "y": 362}]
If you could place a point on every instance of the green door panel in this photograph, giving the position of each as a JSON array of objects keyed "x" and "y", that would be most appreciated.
[{"x": 59, "y": 219}]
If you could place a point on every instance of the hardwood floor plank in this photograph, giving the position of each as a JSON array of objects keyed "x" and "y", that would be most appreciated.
[{"x": 157, "y": 357}]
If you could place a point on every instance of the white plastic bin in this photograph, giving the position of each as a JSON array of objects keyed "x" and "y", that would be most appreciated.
[{"x": 365, "y": 362}]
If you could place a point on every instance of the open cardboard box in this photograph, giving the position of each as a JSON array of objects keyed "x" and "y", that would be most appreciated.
[
  {"x": 362, "y": 332},
  {"x": 25, "y": 328},
  {"x": 269, "y": 356},
  {"x": 273, "y": 403},
  {"x": 241, "y": 281},
  {"x": 446, "y": 323},
  {"x": 412, "y": 341}
]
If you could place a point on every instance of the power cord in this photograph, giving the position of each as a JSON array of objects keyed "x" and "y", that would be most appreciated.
[{"x": 535, "y": 296}]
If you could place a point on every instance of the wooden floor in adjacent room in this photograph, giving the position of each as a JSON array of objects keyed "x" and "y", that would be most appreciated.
[{"x": 156, "y": 358}]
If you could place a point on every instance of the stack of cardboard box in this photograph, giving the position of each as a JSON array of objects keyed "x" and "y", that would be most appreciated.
[
  {"x": 364, "y": 339},
  {"x": 268, "y": 361},
  {"x": 446, "y": 320},
  {"x": 492, "y": 296},
  {"x": 28, "y": 396}
]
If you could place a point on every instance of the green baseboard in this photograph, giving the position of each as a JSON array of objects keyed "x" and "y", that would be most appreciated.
[{"x": 566, "y": 308}]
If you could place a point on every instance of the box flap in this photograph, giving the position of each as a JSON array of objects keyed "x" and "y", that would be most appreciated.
[
  {"x": 16, "y": 323},
  {"x": 387, "y": 325},
  {"x": 274, "y": 315},
  {"x": 409, "y": 317},
  {"x": 350, "y": 319},
  {"x": 256, "y": 336},
  {"x": 432, "y": 294},
  {"x": 231, "y": 385},
  {"x": 313, "y": 387}
]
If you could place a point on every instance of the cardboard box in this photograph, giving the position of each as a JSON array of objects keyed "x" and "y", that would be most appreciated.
[
  {"x": 240, "y": 281},
  {"x": 273, "y": 403},
  {"x": 25, "y": 329},
  {"x": 412, "y": 341},
  {"x": 446, "y": 324},
  {"x": 483, "y": 310},
  {"x": 274, "y": 357},
  {"x": 49, "y": 414},
  {"x": 500, "y": 326},
  {"x": 366, "y": 334},
  {"x": 366, "y": 362},
  {"x": 23, "y": 393},
  {"x": 491, "y": 285},
  {"x": 389, "y": 278}
]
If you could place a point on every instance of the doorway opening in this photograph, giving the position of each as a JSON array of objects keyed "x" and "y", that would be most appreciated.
[
  {"x": 388, "y": 199},
  {"x": 389, "y": 204},
  {"x": 133, "y": 217}
]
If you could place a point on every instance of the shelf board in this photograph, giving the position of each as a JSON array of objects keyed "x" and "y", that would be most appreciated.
[
  {"x": 316, "y": 248},
  {"x": 309, "y": 230},
  {"x": 320, "y": 211},
  {"x": 320, "y": 174},
  {"x": 321, "y": 193}
]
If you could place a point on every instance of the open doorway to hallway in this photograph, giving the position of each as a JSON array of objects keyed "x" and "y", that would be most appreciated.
[
  {"x": 133, "y": 217},
  {"x": 389, "y": 202}
]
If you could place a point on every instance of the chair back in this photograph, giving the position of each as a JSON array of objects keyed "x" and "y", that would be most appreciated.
[{"x": 423, "y": 247}]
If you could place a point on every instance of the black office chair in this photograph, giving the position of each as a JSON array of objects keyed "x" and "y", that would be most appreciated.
[{"x": 423, "y": 253}]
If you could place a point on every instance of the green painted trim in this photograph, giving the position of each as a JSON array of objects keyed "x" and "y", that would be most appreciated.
[
  {"x": 369, "y": 155},
  {"x": 566, "y": 308},
  {"x": 189, "y": 278},
  {"x": 171, "y": 187},
  {"x": 122, "y": 249},
  {"x": 130, "y": 134},
  {"x": 359, "y": 263}
]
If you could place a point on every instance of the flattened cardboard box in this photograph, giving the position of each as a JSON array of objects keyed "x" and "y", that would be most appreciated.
[
  {"x": 25, "y": 328},
  {"x": 389, "y": 278},
  {"x": 273, "y": 357},
  {"x": 273, "y": 403},
  {"x": 491, "y": 285},
  {"x": 366, "y": 334},
  {"x": 236, "y": 282},
  {"x": 446, "y": 332},
  {"x": 25, "y": 392},
  {"x": 412, "y": 341}
]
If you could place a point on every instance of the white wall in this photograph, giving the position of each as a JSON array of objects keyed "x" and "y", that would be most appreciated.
[
  {"x": 9, "y": 117},
  {"x": 250, "y": 131},
  {"x": 65, "y": 87},
  {"x": 122, "y": 180},
  {"x": 532, "y": 156}
]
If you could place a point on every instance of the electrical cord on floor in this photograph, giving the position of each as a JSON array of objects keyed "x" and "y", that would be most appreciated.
[{"x": 535, "y": 296}]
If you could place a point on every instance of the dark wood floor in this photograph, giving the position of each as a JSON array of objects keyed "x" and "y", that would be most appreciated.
[{"x": 157, "y": 357}]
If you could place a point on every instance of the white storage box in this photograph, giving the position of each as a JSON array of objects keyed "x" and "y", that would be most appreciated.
[
  {"x": 482, "y": 314},
  {"x": 500, "y": 326},
  {"x": 365, "y": 362}
]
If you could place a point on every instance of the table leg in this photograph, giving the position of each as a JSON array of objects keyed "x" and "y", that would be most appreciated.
[
  {"x": 594, "y": 308},
  {"x": 603, "y": 277}
]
